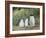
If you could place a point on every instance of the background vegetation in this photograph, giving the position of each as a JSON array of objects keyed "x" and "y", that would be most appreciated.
[{"x": 23, "y": 13}]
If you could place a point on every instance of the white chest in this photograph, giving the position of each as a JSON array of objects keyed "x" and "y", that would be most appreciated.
[{"x": 32, "y": 21}]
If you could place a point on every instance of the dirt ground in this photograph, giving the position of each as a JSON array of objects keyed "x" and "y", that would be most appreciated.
[{"x": 17, "y": 28}]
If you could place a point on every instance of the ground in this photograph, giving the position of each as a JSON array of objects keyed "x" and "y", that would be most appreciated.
[{"x": 16, "y": 28}]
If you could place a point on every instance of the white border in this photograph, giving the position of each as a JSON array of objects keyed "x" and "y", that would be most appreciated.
[{"x": 27, "y": 31}]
